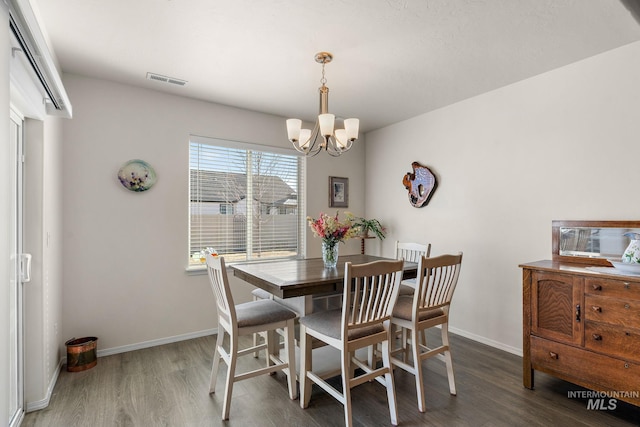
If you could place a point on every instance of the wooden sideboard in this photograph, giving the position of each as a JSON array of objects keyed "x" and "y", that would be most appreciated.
[{"x": 582, "y": 325}]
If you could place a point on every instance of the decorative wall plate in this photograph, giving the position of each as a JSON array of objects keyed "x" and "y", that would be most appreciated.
[
  {"x": 420, "y": 183},
  {"x": 137, "y": 175}
]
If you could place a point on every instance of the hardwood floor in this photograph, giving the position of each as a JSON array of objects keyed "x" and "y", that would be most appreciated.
[{"x": 168, "y": 386}]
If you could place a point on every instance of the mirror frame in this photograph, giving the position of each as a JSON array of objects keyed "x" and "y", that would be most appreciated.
[{"x": 555, "y": 238}]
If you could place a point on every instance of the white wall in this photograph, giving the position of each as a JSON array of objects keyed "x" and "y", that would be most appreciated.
[
  {"x": 562, "y": 145},
  {"x": 43, "y": 240},
  {"x": 52, "y": 250},
  {"x": 125, "y": 253}
]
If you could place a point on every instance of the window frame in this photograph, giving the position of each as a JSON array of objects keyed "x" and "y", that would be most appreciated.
[{"x": 300, "y": 194}]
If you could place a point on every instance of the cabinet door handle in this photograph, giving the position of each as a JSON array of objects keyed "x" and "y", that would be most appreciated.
[
  {"x": 553, "y": 355},
  {"x": 597, "y": 287},
  {"x": 577, "y": 312},
  {"x": 597, "y": 337},
  {"x": 597, "y": 309}
]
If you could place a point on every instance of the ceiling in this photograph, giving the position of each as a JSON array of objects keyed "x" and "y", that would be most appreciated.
[{"x": 393, "y": 59}]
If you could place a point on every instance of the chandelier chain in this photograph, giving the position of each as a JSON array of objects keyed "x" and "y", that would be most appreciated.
[{"x": 323, "y": 80}]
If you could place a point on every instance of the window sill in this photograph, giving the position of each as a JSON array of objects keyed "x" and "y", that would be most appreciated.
[
  {"x": 196, "y": 270},
  {"x": 199, "y": 270}
]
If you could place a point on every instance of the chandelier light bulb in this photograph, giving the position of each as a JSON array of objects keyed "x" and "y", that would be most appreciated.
[
  {"x": 351, "y": 126},
  {"x": 326, "y": 124},
  {"x": 293, "y": 129},
  {"x": 305, "y": 138},
  {"x": 341, "y": 138}
]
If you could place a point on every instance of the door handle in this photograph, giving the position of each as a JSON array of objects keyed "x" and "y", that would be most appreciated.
[{"x": 25, "y": 268}]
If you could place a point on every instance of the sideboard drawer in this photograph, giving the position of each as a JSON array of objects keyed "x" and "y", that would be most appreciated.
[
  {"x": 613, "y": 340},
  {"x": 592, "y": 370},
  {"x": 612, "y": 310},
  {"x": 612, "y": 288}
]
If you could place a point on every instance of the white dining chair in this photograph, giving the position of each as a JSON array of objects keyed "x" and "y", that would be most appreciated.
[
  {"x": 411, "y": 252},
  {"x": 370, "y": 292},
  {"x": 408, "y": 252},
  {"x": 260, "y": 294},
  {"x": 426, "y": 308},
  {"x": 246, "y": 319}
]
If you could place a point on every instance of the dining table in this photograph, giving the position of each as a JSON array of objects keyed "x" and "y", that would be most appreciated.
[{"x": 305, "y": 285}]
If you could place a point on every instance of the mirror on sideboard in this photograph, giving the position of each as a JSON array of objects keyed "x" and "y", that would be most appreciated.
[{"x": 591, "y": 242}]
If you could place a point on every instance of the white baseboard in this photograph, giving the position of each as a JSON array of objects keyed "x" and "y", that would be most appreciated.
[
  {"x": 17, "y": 421},
  {"x": 487, "y": 341},
  {"x": 153, "y": 343},
  {"x": 41, "y": 404}
]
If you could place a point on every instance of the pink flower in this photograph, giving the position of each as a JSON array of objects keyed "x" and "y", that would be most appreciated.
[{"x": 331, "y": 229}]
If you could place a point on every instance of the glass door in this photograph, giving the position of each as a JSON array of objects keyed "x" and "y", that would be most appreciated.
[{"x": 17, "y": 275}]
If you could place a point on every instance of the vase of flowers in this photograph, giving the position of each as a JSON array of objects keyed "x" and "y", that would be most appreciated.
[
  {"x": 332, "y": 231},
  {"x": 330, "y": 254}
]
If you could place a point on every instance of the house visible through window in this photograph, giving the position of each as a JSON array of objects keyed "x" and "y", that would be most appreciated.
[
  {"x": 245, "y": 200},
  {"x": 226, "y": 209}
]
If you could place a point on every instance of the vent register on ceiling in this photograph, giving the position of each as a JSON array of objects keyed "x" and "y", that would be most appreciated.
[
  {"x": 29, "y": 41},
  {"x": 165, "y": 79}
]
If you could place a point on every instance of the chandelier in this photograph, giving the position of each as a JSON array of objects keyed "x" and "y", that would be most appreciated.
[{"x": 311, "y": 142}]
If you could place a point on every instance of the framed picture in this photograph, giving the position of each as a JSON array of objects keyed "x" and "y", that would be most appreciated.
[{"x": 338, "y": 192}]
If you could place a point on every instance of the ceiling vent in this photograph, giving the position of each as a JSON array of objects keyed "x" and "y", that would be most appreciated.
[{"x": 165, "y": 79}]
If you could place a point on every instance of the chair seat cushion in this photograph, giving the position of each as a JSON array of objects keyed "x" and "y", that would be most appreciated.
[
  {"x": 406, "y": 289},
  {"x": 330, "y": 323},
  {"x": 262, "y": 312},
  {"x": 261, "y": 294},
  {"x": 404, "y": 306}
]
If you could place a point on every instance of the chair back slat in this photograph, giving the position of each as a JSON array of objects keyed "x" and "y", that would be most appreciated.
[
  {"x": 370, "y": 292},
  {"x": 437, "y": 280},
  {"x": 220, "y": 286},
  {"x": 412, "y": 252}
]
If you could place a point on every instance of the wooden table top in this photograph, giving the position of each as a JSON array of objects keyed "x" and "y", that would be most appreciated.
[{"x": 300, "y": 277}]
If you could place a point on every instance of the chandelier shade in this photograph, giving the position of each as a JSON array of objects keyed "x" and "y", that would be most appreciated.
[{"x": 324, "y": 135}]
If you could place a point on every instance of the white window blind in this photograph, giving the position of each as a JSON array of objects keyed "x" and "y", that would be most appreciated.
[{"x": 246, "y": 201}]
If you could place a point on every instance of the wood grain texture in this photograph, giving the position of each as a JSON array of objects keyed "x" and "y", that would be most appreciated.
[
  {"x": 292, "y": 278},
  {"x": 605, "y": 373},
  {"x": 168, "y": 386},
  {"x": 611, "y": 339},
  {"x": 555, "y": 301},
  {"x": 557, "y": 306},
  {"x": 601, "y": 351}
]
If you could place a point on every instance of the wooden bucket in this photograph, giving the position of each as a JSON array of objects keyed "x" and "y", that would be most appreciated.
[{"x": 81, "y": 353}]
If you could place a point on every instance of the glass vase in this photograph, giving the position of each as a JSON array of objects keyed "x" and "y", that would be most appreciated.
[{"x": 330, "y": 254}]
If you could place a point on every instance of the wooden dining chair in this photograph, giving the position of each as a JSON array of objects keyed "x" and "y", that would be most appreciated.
[
  {"x": 411, "y": 252},
  {"x": 246, "y": 319},
  {"x": 260, "y": 294},
  {"x": 370, "y": 292},
  {"x": 428, "y": 307}
]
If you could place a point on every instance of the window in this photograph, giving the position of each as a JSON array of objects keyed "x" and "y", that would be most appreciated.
[
  {"x": 226, "y": 209},
  {"x": 246, "y": 201}
]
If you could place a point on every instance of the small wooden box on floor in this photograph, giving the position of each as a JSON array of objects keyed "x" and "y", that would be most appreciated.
[{"x": 581, "y": 323}]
